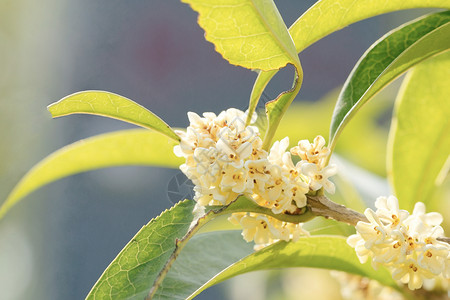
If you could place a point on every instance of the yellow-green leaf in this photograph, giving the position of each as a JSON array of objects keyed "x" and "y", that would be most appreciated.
[
  {"x": 328, "y": 16},
  {"x": 326, "y": 252},
  {"x": 419, "y": 141},
  {"x": 127, "y": 147},
  {"x": 248, "y": 33},
  {"x": 275, "y": 109},
  {"x": 111, "y": 105}
]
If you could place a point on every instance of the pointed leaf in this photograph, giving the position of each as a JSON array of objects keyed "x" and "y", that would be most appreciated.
[
  {"x": 131, "y": 273},
  {"x": 127, "y": 147},
  {"x": 275, "y": 109},
  {"x": 204, "y": 256},
  {"x": 328, "y": 16},
  {"x": 111, "y": 105},
  {"x": 324, "y": 252},
  {"x": 388, "y": 58},
  {"x": 248, "y": 33},
  {"x": 258, "y": 88},
  {"x": 419, "y": 141}
]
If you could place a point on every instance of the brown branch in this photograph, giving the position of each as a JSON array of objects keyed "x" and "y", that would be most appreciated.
[
  {"x": 322, "y": 206},
  {"x": 444, "y": 239}
]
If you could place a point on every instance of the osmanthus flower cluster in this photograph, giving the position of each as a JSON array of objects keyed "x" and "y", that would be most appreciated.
[
  {"x": 354, "y": 287},
  {"x": 225, "y": 159},
  {"x": 406, "y": 244}
]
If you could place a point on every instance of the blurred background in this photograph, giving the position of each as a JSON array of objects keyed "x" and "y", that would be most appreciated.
[{"x": 56, "y": 243}]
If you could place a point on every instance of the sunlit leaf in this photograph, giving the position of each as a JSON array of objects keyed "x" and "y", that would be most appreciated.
[
  {"x": 248, "y": 33},
  {"x": 388, "y": 58},
  {"x": 131, "y": 273},
  {"x": 328, "y": 16},
  {"x": 127, "y": 147},
  {"x": 252, "y": 34},
  {"x": 111, "y": 105},
  {"x": 419, "y": 142},
  {"x": 275, "y": 109},
  {"x": 258, "y": 88},
  {"x": 324, "y": 252},
  {"x": 204, "y": 256}
]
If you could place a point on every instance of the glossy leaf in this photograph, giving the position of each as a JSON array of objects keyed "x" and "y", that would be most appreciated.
[
  {"x": 127, "y": 147},
  {"x": 388, "y": 58},
  {"x": 324, "y": 252},
  {"x": 204, "y": 256},
  {"x": 131, "y": 273},
  {"x": 419, "y": 142},
  {"x": 328, "y": 16},
  {"x": 111, "y": 105},
  {"x": 247, "y": 33}
]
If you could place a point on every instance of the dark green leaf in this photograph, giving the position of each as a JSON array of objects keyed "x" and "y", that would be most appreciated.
[{"x": 388, "y": 58}]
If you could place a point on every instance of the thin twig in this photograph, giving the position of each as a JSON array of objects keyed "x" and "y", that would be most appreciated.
[{"x": 322, "y": 206}]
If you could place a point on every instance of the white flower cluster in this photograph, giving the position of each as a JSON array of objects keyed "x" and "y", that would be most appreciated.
[
  {"x": 266, "y": 230},
  {"x": 406, "y": 244},
  {"x": 354, "y": 287},
  {"x": 224, "y": 159}
]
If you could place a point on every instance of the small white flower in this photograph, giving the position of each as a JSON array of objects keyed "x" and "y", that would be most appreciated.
[
  {"x": 319, "y": 178},
  {"x": 314, "y": 153},
  {"x": 278, "y": 150},
  {"x": 235, "y": 179},
  {"x": 411, "y": 273},
  {"x": 265, "y": 230},
  {"x": 389, "y": 212},
  {"x": 433, "y": 258}
]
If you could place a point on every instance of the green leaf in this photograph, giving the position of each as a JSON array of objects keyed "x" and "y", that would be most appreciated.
[
  {"x": 419, "y": 141},
  {"x": 248, "y": 33},
  {"x": 258, "y": 88},
  {"x": 131, "y": 273},
  {"x": 324, "y": 252},
  {"x": 204, "y": 256},
  {"x": 242, "y": 204},
  {"x": 328, "y": 16},
  {"x": 388, "y": 58},
  {"x": 275, "y": 109},
  {"x": 111, "y": 105},
  {"x": 252, "y": 34},
  {"x": 127, "y": 147}
]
